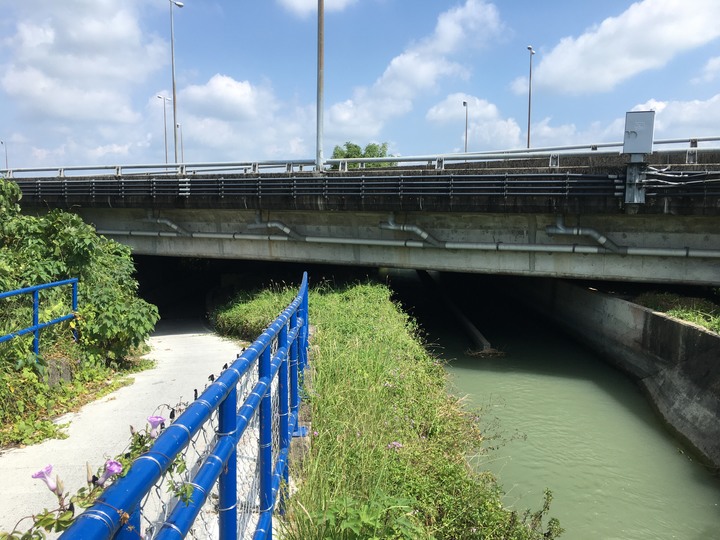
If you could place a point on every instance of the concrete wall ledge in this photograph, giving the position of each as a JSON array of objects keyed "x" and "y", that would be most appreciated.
[{"x": 676, "y": 363}]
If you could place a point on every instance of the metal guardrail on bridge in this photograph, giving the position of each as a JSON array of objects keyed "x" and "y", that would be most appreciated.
[
  {"x": 237, "y": 458},
  {"x": 436, "y": 161}
]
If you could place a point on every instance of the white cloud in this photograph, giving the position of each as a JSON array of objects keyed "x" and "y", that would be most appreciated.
[
  {"x": 415, "y": 71},
  {"x": 224, "y": 97},
  {"x": 237, "y": 120},
  {"x": 646, "y": 36},
  {"x": 684, "y": 119},
  {"x": 57, "y": 98},
  {"x": 486, "y": 126},
  {"x": 306, "y": 7},
  {"x": 711, "y": 71},
  {"x": 79, "y": 59}
]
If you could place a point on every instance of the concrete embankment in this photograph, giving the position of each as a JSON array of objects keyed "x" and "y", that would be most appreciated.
[{"x": 676, "y": 363}]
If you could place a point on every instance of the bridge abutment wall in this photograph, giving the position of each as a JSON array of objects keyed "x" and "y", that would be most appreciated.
[{"x": 676, "y": 363}]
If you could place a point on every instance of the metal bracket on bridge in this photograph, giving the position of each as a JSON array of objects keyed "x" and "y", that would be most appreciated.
[
  {"x": 691, "y": 158},
  {"x": 554, "y": 160},
  {"x": 440, "y": 164},
  {"x": 343, "y": 166},
  {"x": 634, "y": 189},
  {"x": 255, "y": 168}
]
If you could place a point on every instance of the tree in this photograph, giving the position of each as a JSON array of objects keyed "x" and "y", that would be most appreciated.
[{"x": 354, "y": 151}]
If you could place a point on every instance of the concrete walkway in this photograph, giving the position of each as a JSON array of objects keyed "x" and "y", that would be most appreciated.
[{"x": 186, "y": 353}]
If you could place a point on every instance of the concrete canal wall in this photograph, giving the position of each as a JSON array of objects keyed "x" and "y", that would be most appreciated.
[{"x": 676, "y": 363}]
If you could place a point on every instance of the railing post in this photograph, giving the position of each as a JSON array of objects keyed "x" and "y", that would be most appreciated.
[
  {"x": 36, "y": 322},
  {"x": 294, "y": 381},
  {"x": 284, "y": 389},
  {"x": 228, "y": 479},
  {"x": 131, "y": 529},
  {"x": 303, "y": 314},
  {"x": 75, "y": 306},
  {"x": 266, "y": 461}
]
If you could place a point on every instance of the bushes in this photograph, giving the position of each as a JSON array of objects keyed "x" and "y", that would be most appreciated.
[{"x": 111, "y": 318}]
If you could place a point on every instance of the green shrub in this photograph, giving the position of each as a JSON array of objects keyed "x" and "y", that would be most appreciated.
[{"x": 111, "y": 319}]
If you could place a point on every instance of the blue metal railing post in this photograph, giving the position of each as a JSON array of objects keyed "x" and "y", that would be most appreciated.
[
  {"x": 36, "y": 322},
  {"x": 75, "y": 306},
  {"x": 305, "y": 331},
  {"x": 131, "y": 529},
  {"x": 266, "y": 464},
  {"x": 228, "y": 479},
  {"x": 284, "y": 390},
  {"x": 294, "y": 379}
]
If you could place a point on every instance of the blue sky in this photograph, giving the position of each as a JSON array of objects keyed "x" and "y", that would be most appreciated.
[{"x": 79, "y": 79}]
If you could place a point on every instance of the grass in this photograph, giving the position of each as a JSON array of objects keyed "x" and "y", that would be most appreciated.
[
  {"x": 699, "y": 311},
  {"x": 389, "y": 446},
  {"x": 29, "y": 404}
]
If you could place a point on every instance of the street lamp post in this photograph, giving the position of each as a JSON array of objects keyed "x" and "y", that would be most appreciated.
[
  {"x": 6, "y": 159},
  {"x": 320, "y": 86},
  {"x": 172, "y": 60},
  {"x": 465, "y": 104},
  {"x": 182, "y": 146},
  {"x": 532, "y": 53},
  {"x": 165, "y": 100}
]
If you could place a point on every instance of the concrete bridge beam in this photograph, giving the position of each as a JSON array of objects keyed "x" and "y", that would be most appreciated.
[{"x": 667, "y": 249}]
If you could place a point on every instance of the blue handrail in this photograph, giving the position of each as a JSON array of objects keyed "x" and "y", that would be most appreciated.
[
  {"x": 37, "y": 325},
  {"x": 281, "y": 351}
]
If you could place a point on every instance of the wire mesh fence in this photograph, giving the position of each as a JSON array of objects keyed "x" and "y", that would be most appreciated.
[{"x": 215, "y": 472}]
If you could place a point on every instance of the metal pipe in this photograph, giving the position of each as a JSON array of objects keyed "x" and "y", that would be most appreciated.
[
  {"x": 692, "y": 253},
  {"x": 560, "y": 229},
  {"x": 392, "y": 226}
]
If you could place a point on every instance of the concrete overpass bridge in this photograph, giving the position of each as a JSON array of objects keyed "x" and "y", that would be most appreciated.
[{"x": 580, "y": 212}]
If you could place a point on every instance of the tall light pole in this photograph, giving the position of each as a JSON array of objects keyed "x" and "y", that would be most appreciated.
[
  {"x": 320, "y": 83},
  {"x": 6, "y": 160},
  {"x": 465, "y": 104},
  {"x": 532, "y": 53},
  {"x": 182, "y": 146},
  {"x": 172, "y": 60},
  {"x": 165, "y": 100}
]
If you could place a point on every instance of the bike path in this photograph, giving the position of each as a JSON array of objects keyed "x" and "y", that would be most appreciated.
[{"x": 186, "y": 353}]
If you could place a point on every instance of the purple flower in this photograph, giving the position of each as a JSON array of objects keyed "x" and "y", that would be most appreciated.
[
  {"x": 394, "y": 446},
  {"x": 112, "y": 468},
  {"x": 44, "y": 475},
  {"x": 155, "y": 423}
]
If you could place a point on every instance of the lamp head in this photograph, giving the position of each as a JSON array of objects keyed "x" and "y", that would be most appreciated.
[{"x": 530, "y": 48}]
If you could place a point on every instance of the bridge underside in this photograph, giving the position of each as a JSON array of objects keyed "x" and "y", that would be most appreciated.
[{"x": 641, "y": 248}]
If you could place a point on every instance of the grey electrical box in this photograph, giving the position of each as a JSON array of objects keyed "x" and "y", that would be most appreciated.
[{"x": 639, "y": 132}]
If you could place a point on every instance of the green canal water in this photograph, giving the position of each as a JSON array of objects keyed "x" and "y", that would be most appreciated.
[{"x": 568, "y": 421}]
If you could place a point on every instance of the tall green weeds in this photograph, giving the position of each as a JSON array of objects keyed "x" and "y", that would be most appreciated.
[{"x": 388, "y": 445}]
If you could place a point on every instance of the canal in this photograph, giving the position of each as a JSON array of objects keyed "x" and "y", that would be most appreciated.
[{"x": 558, "y": 417}]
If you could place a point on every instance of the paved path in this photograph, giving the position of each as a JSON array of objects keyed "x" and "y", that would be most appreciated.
[{"x": 186, "y": 353}]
